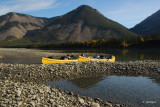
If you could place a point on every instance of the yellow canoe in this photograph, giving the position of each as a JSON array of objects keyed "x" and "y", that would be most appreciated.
[
  {"x": 84, "y": 59},
  {"x": 56, "y": 61}
]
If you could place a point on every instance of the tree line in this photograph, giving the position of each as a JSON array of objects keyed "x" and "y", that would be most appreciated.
[{"x": 121, "y": 42}]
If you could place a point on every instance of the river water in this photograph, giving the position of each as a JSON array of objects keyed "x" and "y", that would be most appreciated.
[
  {"x": 125, "y": 54},
  {"x": 27, "y": 56},
  {"x": 133, "y": 91}
]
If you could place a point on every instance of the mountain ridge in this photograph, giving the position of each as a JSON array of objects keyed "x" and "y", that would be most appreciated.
[
  {"x": 81, "y": 24},
  {"x": 149, "y": 26},
  {"x": 16, "y": 25}
]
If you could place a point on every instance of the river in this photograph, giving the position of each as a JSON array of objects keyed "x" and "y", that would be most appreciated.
[
  {"x": 31, "y": 56},
  {"x": 130, "y": 90}
]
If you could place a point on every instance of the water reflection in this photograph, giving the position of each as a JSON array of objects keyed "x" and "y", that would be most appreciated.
[
  {"x": 136, "y": 54},
  {"x": 142, "y": 56},
  {"x": 124, "y": 54},
  {"x": 155, "y": 80},
  {"x": 119, "y": 89},
  {"x": 86, "y": 82},
  {"x": 34, "y": 57}
]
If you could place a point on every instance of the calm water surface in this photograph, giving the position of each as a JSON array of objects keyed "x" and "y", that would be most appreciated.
[
  {"x": 121, "y": 55},
  {"x": 133, "y": 91},
  {"x": 126, "y": 54}
]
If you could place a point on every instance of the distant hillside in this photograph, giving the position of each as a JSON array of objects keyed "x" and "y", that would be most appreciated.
[
  {"x": 81, "y": 24},
  {"x": 149, "y": 26},
  {"x": 15, "y": 25}
]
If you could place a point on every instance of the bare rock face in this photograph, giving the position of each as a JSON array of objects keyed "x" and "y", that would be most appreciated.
[
  {"x": 16, "y": 25},
  {"x": 80, "y": 32},
  {"x": 77, "y": 32},
  {"x": 81, "y": 24}
]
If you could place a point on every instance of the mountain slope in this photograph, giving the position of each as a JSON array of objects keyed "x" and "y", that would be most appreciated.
[
  {"x": 149, "y": 26},
  {"x": 16, "y": 25},
  {"x": 81, "y": 24}
]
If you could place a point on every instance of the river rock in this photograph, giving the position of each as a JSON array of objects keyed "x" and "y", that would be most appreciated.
[
  {"x": 23, "y": 81},
  {"x": 32, "y": 103},
  {"x": 117, "y": 105},
  {"x": 81, "y": 100},
  {"x": 108, "y": 104},
  {"x": 95, "y": 104},
  {"x": 18, "y": 93},
  {"x": 19, "y": 103}
]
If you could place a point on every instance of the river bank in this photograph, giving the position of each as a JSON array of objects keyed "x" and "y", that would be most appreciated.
[
  {"x": 34, "y": 95},
  {"x": 23, "y": 84},
  {"x": 40, "y": 73}
]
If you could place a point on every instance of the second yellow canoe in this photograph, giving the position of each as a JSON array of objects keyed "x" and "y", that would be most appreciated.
[
  {"x": 84, "y": 59},
  {"x": 80, "y": 59}
]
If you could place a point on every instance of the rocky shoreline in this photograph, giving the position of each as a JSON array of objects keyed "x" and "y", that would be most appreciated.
[
  {"x": 23, "y": 84},
  {"x": 41, "y": 73},
  {"x": 33, "y": 95}
]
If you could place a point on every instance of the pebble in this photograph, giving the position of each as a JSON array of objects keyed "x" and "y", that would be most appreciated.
[
  {"x": 108, "y": 104},
  {"x": 32, "y": 103},
  {"x": 81, "y": 100},
  {"x": 117, "y": 105},
  {"x": 18, "y": 93},
  {"x": 40, "y": 99},
  {"x": 19, "y": 103},
  {"x": 24, "y": 81},
  {"x": 95, "y": 104}
]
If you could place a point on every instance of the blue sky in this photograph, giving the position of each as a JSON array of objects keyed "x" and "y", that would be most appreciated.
[{"x": 126, "y": 12}]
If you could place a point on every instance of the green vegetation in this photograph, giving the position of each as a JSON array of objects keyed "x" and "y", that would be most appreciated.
[
  {"x": 17, "y": 43},
  {"x": 9, "y": 25},
  {"x": 125, "y": 42},
  {"x": 10, "y": 38},
  {"x": 62, "y": 28},
  {"x": 43, "y": 36}
]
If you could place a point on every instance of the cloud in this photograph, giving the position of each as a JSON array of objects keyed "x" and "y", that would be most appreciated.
[{"x": 25, "y": 5}]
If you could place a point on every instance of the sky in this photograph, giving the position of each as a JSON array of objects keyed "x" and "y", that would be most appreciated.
[{"x": 126, "y": 12}]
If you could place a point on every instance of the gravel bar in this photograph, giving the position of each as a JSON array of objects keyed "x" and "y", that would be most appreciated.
[{"x": 23, "y": 84}]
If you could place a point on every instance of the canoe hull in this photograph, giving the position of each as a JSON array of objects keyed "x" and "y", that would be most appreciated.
[
  {"x": 80, "y": 59},
  {"x": 56, "y": 61},
  {"x": 84, "y": 59}
]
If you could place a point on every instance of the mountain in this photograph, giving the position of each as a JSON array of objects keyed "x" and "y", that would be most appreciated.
[
  {"x": 81, "y": 24},
  {"x": 149, "y": 26},
  {"x": 15, "y": 25}
]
